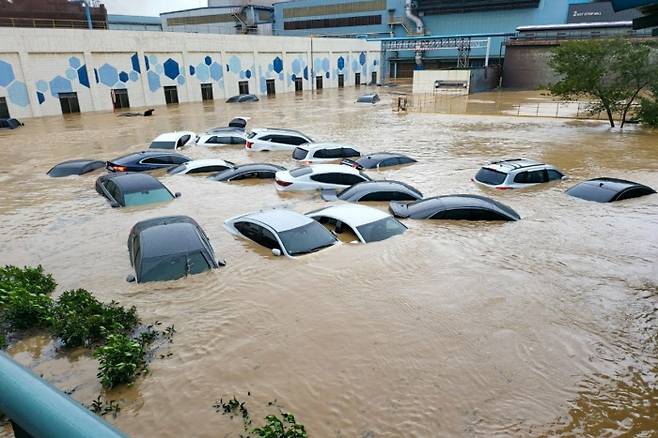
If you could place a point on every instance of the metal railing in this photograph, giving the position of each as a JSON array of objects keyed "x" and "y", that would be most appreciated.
[
  {"x": 37, "y": 409},
  {"x": 50, "y": 23}
]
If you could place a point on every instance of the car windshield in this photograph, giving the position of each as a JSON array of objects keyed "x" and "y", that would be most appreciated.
[
  {"x": 299, "y": 153},
  {"x": 163, "y": 145},
  {"x": 172, "y": 267},
  {"x": 300, "y": 171},
  {"x": 307, "y": 238},
  {"x": 381, "y": 229},
  {"x": 147, "y": 197},
  {"x": 489, "y": 176}
]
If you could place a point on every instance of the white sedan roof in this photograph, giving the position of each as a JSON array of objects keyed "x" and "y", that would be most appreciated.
[
  {"x": 173, "y": 136},
  {"x": 354, "y": 215},
  {"x": 317, "y": 146},
  {"x": 195, "y": 164},
  {"x": 278, "y": 219},
  {"x": 334, "y": 168}
]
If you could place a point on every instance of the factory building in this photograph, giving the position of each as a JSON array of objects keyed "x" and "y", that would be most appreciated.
[{"x": 134, "y": 22}]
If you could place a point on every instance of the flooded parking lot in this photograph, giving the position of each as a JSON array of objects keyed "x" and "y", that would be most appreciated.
[{"x": 539, "y": 327}]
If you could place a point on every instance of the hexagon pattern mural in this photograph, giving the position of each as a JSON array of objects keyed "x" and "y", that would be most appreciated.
[
  {"x": 170, "y": 69},
  {"x": 208, "y": 69},
  {"x": 16, "y": 90}
]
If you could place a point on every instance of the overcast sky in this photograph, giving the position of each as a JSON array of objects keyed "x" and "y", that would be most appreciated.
[{"x": 149, "y": 7}]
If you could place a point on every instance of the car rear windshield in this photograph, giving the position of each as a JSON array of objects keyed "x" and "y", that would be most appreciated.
[
  {"x": 173, "y": 267},
  {"x": 491, "y": 177},
  {"x": 307, "y": 238},
  {"x": 381, "y": 229},
  {"x": 147, "y": 197},
  {"x": 163, "y": 145},
  {"x": 299, "y": 153},
  {"x": 300, "y": 171},
  {"x": 178, "y": 169}
]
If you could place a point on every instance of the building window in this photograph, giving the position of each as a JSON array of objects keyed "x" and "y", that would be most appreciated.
[
  {"x": 299, "y": 85},
  {"x": 243, "y": 87},
  {"x": 357, "y": 79},
  {"x": 341, "y": 80},
  {"x": 318, "y": 82},
  {"x": 460, "y": 6},
  {"x": 271, "y": 87},
  {"x": 206, "y": 92},
  {"x": 366, "y": 20},
  {"x": 120, "y": 98},
  {"x": 171, "y": 94},
  {"x": 69, "y": 103},
  {"x": 4, "y": 109}
]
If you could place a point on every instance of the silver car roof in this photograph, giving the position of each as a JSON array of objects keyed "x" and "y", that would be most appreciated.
[{"x": 279, "y": 219}]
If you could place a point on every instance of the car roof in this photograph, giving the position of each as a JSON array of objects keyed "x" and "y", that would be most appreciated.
[
  {"x": 353, "y": 215},
  {"x": 334, "y": 168},
  {"x": 131, "y": 182},
  {"x": 214, "y": 131},
  {"x": 172, "y": 136},
  {"x": 146, "y": 153},
  {"x": 604, "y": 189},
  {"x": 376, "y": 186},
  {"x": 449, "y": 202},
  {"x": 162, "y": 220},
  {"x": 193, "y": 164},
  {"x": 72, "y": 167},
  {"x": 279, "y": 219},
  {"x": 513, "y": 164},
  {"x": 318, "y": 146},
  {"x": 170, "y": 238},
  {"x": 284, "y": 130}
]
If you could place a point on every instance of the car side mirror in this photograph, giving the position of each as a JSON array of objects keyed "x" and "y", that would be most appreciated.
[
  {"x": 221, "y": 262},
  {"x": 276, "y": 252},
  {"x": 131, "y": 278},
  {"x": 178, "y": 194},
  {"x": 114, "y": 204}
]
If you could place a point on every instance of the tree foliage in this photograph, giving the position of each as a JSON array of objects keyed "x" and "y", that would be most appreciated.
[{"x": 612, "y": 73}]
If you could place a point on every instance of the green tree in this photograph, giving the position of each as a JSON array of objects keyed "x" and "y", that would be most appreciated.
[
  {"x": 610, "y": 72},
  {"x": 649, "y": 107}
]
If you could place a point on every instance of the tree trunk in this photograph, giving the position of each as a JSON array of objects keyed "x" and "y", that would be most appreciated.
[
  {"x": 610, "y": 118},
  {"x": 628, "y": 106}
]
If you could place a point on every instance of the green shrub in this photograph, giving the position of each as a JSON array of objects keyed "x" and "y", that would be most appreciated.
[
  {"x": 31, "y": 279},
  {"x": 3, "y": 341},
  {"x": 24, "y": 310},
  {"x": 276, "y": 428},
  {"x": 121, "y": 359},
  {"x": 649, "y": 110},
  {"x": 80, "y": 319}
]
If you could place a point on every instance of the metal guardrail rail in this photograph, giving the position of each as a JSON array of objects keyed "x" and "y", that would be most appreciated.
[{"x": 39, "y": 410}]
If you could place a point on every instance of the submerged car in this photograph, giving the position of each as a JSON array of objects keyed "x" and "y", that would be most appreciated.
[
  {"x": 242, "y": 98},
  {"x": 174, "y": 140},
  {"x": 324, "y": 153},
  {"x": 222, "y": 137},
  {"x": 248, "y": 171},
  {"x": 146, "y": 160},
  {"x": 455, "y": 207},
  {"x": 132, "y": 189},
  {"x": 283, "y": 231},
  {"x": 168, "y": 248},
  {"x": 10, "y": 123},
  {"x": 386, "y": 190},
  {"x": 75, "y": 167},
  {"x": 609, "y": 190},
  {"x": 516, "y": 173},
  {"x": 211, "y": 165},
  {"x": 368, "y": 98},
  {"x": 383, "y": 159},
  {"x": 318, "y": 177},
  {"x": 366, "y": 223},
  {"x": 270, "y": 139}
]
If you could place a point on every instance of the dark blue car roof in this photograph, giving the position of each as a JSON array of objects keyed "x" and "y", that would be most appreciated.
[
  {"x": 136, "y": 156},
  {"x": 75, "y": 167},
  {"x": 133, "y": 182},
  {"x": 607, "y": 189}
]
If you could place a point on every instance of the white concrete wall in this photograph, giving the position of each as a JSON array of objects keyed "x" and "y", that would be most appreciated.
[
  {"x": 37, "y": 64},
  {"x": 424, "y": 80}
]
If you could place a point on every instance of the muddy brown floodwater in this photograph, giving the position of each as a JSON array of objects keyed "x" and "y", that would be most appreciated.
[{"x": 546, "y": 326}]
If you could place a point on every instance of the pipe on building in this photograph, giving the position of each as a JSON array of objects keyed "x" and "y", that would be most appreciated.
[
  {"x": 39, "y": 410},
  {"x": 420, "y": 30}
]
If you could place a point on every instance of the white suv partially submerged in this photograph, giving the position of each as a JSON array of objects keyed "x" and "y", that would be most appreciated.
[
  {"x": 324, "y": 153},
  {"x": 516, "y": 173},
  {"x": 270, "y": 139}
]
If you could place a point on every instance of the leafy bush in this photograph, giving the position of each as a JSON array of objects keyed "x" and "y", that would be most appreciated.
[
  {"x": 31, "y": 279},
  {"x": 121, "y": 359},
  {"x": 649, "y": 109},
  {"x": 276, "y": 428},
  {"x": 3, "y": 341},
  {"x": 24, "y": 310},
  {"x": 80, "y": 319}
]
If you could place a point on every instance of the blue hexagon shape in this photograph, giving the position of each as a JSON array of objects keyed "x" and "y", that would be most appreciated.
[
  {"x": 71, "y": 74},
  {"x": 6, "y": 73},
  {"x": 134, "y": 61},
  {"x": 108, "y": 75},
  {"x": 216, "y": 71},
  {"x": 325, "y": 64},
  {"x": 42, "y": 86},
  {"x": 341, "y": 63},
  {"x": 207, "y": 60},
  {"x": 83, "y": 76},
  {"x": 234, "y": 63},
  {"x": 60, "y": 84},
  {"x": 277, "y": 65},
  {"x": 181, "y": 80},
  {"x": 326, "y": 75},
  {"x": 192, "y": 70},
  {"x": 134, "y": 76},
  {"x": 74, "y": 62},
  {"x": 159, "y": 69},
  {"x": 153, "y": 80},
  {"x": 17, "y": 92},
  {"x": 171, "y": 69},
  {"x": 296, "y": 66},
  {"x": 41, "y": 98},
  {"x": 362, "y": 58},
  {"x": 203, "y": 72},
  {"x": 241, "y": 74},
  {"x": 248, "y": 74},
  {"x": 123, "y": 77}
]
